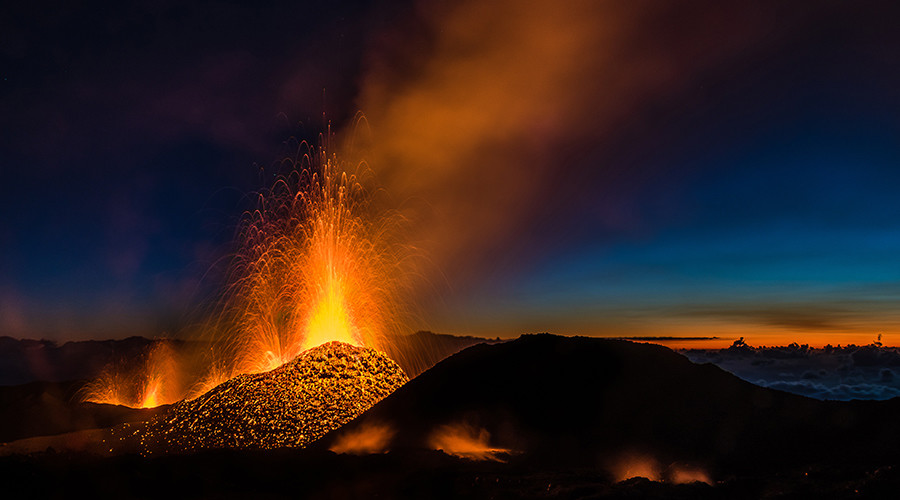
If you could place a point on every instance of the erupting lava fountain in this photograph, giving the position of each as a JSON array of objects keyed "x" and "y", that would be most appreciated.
[{"x": 317, "y": 262}]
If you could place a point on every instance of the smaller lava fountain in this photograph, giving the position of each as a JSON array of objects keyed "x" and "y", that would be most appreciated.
[{"x": 152, "y": 381}]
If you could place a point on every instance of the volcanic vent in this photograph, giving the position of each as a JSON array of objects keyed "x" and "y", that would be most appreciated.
[{"x": 292, "y": 405}]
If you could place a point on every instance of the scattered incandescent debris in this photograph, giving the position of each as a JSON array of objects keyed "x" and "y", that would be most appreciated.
[{"x": 291, "y": 406}]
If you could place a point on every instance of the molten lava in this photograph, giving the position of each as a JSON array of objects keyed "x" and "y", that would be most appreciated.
[
  {"x": 154, "y": 381},
  {"x": 316, "y": 265}
]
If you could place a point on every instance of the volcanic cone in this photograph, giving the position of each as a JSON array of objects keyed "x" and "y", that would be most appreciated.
[{"x": 290, "y": 406}]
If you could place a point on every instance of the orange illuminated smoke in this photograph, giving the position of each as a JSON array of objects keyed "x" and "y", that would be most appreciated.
[
  {"x": 153, "y": 382},
  {"x": 364, "y": 440},
  {"x": 638, "y": 466},
  {"x": 642, "y": 465},
  {"x": 681, "y": 474},
  {"x": 467, "y": 442},
  {"x": 317, "y": 264}
]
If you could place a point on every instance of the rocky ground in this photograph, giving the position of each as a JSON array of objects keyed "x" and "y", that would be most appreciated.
[{"x": 290, "y": 406}]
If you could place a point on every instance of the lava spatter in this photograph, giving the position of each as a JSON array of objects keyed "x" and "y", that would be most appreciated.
[{"x": 290, "y": 406}]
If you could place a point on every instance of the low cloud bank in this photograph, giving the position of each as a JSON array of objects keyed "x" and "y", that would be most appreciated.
[{"x": 830, "y": 373}]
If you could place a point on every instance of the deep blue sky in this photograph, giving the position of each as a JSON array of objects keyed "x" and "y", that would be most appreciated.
[{"x": 689, "y": 169}]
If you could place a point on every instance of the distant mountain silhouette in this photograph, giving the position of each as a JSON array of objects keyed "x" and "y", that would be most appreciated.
[{"x": 582, "y": 401}]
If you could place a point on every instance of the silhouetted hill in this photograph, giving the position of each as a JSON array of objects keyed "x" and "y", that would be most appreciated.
[
  {"x": 584, "y": 401},
  {"x": 420, "y": 351}
]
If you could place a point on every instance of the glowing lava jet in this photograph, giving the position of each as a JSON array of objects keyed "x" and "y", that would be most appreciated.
[
  {"x": 317, "y": 264},
  {"x": 154, "y": 381}
]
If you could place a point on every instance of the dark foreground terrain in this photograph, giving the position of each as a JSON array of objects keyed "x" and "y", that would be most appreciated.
[
  {"x": 418, "y": 474},
  {"x": 539, "y": 417}
]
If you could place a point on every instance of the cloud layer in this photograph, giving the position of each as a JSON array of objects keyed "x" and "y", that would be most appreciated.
[{"x": 832, "y": 373}]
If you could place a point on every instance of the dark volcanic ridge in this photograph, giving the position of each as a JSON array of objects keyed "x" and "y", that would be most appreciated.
[
  {"x": 578, "y": 402},
  {"x": 290, "y": 406}
]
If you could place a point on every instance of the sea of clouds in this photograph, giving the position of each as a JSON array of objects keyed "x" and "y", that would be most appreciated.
[{"x": 831, "y": 373}]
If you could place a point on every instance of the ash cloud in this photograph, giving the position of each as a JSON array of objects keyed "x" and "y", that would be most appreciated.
[
  {"x": 831, "y": 373},
  {"x": 473, "y": 108}
]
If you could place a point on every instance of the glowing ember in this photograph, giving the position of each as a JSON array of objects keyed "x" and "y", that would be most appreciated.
[{"x": 291, "y": 406}]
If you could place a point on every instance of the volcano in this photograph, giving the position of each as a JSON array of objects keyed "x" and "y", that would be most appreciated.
[
  {"x": 290, "y": 406},
  {"x": 538, "y": 417}
]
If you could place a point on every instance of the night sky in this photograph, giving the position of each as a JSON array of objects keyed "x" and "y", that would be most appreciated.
[{"x": 599, "y": 168}]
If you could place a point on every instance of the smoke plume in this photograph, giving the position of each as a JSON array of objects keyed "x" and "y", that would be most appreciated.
[{"x": 479, "y": 114}]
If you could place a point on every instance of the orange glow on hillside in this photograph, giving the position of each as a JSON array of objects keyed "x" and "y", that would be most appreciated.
[
  {"x": 642, "y": 465},
  {"x": 686, "y": 475},
  {"x": 464, "y": 441}
]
